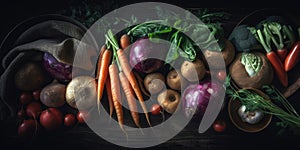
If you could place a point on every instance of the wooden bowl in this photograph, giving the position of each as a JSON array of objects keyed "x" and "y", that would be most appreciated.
[{"x": 233, "y": 107}]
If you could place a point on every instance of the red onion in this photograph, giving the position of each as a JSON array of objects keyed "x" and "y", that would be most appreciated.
[
  {"x": 147, "y": 56},
  {"x": 60, "y": 71},
  {"x": 195, "y": 97}
]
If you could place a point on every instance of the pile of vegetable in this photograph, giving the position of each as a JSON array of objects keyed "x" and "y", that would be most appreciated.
[{"x": 154, "y": 62}]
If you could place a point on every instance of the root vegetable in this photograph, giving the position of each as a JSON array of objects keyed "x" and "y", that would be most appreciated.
[
  {"x": 214, "y": 58},
  {"x": 81, "y": 92},
  {"x": 154, "y": 82},
  {"x": 53, "y": 95},
  {"x": 175, "y": 80},
  {"x": 169, "y": 100},
  {"x": 242, "y": 78},
  {"x": 33, "y": 73},
  {"x": 51, "y": 119},
  {"x": 33, "y": 109},
  {"x": 69, "y": 120},
  {"x": 193, "y": 71}
]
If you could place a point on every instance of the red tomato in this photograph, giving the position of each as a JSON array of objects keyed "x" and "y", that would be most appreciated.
[
  {"x": 25, "y": 97},
  {"x": 36, "y": 94},
  {"x": 82, "y": 116},
  {"x": 156, "y": 109},
  {"x": 69, "y": 120},
  {"x": 219, "y": 125},
  {"x": 21, "y": 113},
  {"x": 221, "y": 75}
]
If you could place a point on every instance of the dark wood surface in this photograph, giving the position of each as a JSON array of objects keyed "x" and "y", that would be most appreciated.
[{"x": 81, "y": 137}]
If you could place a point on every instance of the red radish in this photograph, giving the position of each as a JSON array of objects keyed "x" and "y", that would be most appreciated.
[
  {"x": 36, "y": 94},
  {"x": 28, "y": 129},
  {"x": 21, "y": 113},
  {"x": 33, "y": 109},
  {"x": 51, "y": 119},
  {"x": 82, "y": 116},
  {"x": 156, "y": 109},
  {"x": 69, "y": 120},
  {"x": 25, "y": 98}
]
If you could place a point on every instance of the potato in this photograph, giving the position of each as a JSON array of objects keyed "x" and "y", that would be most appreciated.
[
  {"x": 193, "y": 71},
  {"x": 243, "y": 80},
  {"x": 154, "y": 82},
  {"x": 213, "y": 57},
  {"x": 175, "y": 80},
  {"x": 53, "y": 95},
  {"x": 169, "y": 99},
  {"x": 31, "y": 76}
]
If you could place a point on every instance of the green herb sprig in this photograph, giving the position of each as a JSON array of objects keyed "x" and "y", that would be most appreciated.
[{"x": 254, "y": 101}]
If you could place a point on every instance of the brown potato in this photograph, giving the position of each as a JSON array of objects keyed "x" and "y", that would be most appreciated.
[
  {"x": 169, "y": 100},
  {"x": 154, "y": 82},
  {"x": 214, "y": 58},
  {"x": 175, "y": 80},
  {"x": 243, "y": 80},
  {"x": 31, "y": 76},
  {"x": 193, "y": 71},
  {"x": 53, "y": 95}
]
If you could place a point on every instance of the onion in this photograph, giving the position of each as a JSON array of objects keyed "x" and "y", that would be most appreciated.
[
  {"x": 195, "y": 97},
  {"x": 60, "y": 71},
  {"x": 146, "y": 56}
]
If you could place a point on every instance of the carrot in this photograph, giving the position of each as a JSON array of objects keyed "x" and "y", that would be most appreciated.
[
  {"x": 109, "y": 96},
  {"x": 130, "y": 99},
  {"x": 105, "y": 61},
  {"x": 132, "y": 80},
  {"x": 124, "y": 41},
  {"x": 116, "y": 93},
  {"x": 99, "y": 60}
]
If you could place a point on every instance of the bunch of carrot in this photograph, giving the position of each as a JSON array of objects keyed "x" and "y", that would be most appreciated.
[{"x": 114, "y": 72}]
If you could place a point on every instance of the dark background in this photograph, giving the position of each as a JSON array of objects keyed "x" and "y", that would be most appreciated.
[{"x": 13, "y": 12}]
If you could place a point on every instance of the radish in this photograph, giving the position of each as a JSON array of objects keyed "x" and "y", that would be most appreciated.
[
  {"x": 69, "y": 120},
  {"x": 33, "y": 109},
  {"x": 28, "y": 129},
  {"x": 51, "y": 119}
]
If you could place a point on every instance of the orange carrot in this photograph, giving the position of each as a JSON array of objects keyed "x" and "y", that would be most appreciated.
[
  {"x": 116, "y": 93},
  {"x": 132, "y": 80},
  {"x": 105, "y": 62},
  {"x": 124, "y": 41},
  {"x": 99, "y": 60},
  {"x": 130, "y": 98},
  {"x": 109, "y": 96}
]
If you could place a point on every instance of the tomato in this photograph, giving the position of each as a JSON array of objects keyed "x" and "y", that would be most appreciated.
[
  {"x": 25, "y": 98},
  {"x": 82, "y": 116},
  {"x": 219, "y": 125},
  {"x": 221, "y": 75},
  {"x": 156, "y": 109},
  {"x": 69, "y": 120},
  {"x": 36, "y": 94}
]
